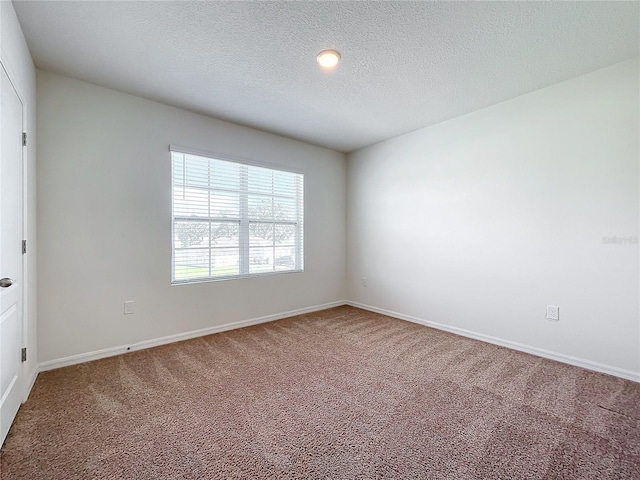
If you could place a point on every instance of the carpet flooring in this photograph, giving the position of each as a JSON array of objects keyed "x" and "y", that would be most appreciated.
[{"x": 337, "y": 394}]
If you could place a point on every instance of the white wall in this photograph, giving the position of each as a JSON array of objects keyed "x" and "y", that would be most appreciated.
[
  {"x": 104, "y": 226},
  {"x": 17, "y": 60},
  {"x": 479, "y": 222}
]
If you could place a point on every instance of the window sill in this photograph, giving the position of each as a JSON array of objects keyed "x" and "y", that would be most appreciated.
[{"x": 231, "y": 277}]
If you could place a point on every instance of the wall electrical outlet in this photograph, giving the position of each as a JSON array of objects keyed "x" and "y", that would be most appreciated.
[
  {"x": 364, "y": 282},
  {"x": 129, "y": 307},
  {"x": 553, "y": 313}
]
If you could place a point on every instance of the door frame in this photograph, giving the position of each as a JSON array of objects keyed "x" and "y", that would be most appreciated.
[{"x": 24, "y": 383}]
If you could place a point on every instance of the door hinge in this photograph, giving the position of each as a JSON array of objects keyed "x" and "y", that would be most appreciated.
[
  {"x": 24, "y": 247},
  {"x": 24, "y": 139},
  {"x": 24, "y": 354}
]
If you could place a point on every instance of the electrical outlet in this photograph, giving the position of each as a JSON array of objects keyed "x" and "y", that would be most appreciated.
[
  {"x": 364, "y": 282},
  {"x": 129, "y": 307},
  {"x": 553, "y": 313}
]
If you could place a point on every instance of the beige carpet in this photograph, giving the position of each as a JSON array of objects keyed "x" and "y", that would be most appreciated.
[{"x": 338, "y": 394}]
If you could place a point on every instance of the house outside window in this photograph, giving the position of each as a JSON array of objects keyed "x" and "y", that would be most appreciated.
[{"x": 232, "y": 219}]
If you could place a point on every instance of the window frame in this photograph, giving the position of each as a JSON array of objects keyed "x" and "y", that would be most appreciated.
[{"x": 243, "y": 222}]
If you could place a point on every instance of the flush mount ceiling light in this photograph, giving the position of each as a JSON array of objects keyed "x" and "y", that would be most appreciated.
[{"x": 328, "y": 59}]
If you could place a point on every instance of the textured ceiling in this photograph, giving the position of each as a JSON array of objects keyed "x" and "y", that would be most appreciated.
[{"x": 405, "y": 65}]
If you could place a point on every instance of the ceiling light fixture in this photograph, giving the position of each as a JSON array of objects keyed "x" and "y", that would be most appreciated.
[{"x": 328, "y": 58}]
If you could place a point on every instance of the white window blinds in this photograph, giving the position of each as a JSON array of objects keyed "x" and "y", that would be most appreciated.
[{"x": 231, "y": 219}]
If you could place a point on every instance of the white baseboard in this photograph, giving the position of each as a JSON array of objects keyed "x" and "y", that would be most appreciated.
[
  {"x": 110, "y": 352},
  {"x": 560, "y": 357}
]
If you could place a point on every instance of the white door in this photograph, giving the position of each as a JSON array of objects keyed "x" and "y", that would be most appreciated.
[{"x": 10, "y": 253}]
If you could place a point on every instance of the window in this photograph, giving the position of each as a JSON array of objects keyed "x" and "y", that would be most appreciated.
[{"x": 234, "y": 220}]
